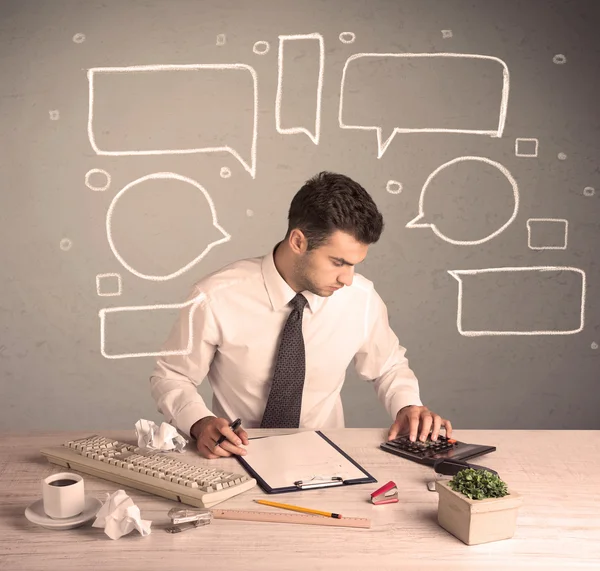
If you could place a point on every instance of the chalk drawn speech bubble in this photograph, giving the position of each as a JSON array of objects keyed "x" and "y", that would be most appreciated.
[
  {"x": 420, "y": 221},
  {"x": 460, "y": 97},
  {"x": 222, "y": 235},
  {"x": 287, "y": 43},
  {"x": 174, "y": 109},
  {"x": 118, "y": 313},
  {"x": 498, "y": 296}
]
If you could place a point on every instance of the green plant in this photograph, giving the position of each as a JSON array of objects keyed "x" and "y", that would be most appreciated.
[{"x": 478, "y": 484}]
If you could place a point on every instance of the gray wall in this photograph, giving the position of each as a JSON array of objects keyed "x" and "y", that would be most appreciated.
[{"x": 53, "y": 374}]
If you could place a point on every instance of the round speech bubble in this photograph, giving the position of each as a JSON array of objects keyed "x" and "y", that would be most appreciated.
[
  {"x": 222, "y": 235},
  {"x": 421, "y": 220}
]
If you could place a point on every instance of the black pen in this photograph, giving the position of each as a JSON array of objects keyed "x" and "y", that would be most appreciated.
[{"x": 234, "y": 426}]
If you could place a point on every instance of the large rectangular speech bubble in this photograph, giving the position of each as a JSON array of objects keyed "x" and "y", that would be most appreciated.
[
  {"x": 145, "y": 318},
  {"x": 423, "y": 93},
  {"x": 538, "y": 300},
  {"x": 174, "y": 109}
]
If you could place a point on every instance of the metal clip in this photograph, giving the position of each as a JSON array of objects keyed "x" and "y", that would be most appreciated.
[
  {"x": 387, "y": 494},
  {"x": 187, "y": 518},
  {"x": 319, "y": 482}
]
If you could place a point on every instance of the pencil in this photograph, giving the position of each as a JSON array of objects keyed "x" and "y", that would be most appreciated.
[{"x": 298, "y": 509}]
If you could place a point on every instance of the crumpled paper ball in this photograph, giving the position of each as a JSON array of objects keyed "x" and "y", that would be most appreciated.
[
  {"x": 120, "y": 516},
  {"x": 164, "y": 438}
]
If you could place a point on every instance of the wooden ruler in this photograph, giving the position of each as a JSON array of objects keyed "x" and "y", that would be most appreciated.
[{"x": 251, "y": 515}]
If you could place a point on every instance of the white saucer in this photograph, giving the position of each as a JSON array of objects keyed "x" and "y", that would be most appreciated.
[{"x": 35, "y": 514}]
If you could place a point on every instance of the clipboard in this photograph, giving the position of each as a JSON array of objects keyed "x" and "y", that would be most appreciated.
[{"x": 301, "y": 461}]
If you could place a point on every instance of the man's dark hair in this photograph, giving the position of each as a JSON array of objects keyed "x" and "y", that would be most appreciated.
[{"x": 328, "y": 202}]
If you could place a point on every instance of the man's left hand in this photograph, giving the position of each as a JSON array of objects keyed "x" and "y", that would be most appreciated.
[{"x": 418, "y": 420}]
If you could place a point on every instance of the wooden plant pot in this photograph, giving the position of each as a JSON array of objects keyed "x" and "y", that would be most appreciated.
[{"x": 477, "y": 521}]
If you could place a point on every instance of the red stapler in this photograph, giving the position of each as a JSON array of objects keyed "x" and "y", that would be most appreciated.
[{"x": 387, "y": 494}]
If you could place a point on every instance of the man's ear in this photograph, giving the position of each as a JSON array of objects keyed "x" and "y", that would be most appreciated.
[{"x": 298, "y": 241}]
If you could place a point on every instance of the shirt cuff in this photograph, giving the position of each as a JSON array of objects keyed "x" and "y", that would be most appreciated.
[
  {"x": 191, "y": 414},
  {"x": 400, "y": 400}
]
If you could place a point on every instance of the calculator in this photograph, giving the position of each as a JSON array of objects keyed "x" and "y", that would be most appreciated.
[{"x": 429, "y": 452}]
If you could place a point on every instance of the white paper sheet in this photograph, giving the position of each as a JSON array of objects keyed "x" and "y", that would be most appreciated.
[{"x": 282, "y": 460}]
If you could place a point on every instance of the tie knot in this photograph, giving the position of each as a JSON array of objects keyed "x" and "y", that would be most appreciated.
[{"x": 299, "y": 302}]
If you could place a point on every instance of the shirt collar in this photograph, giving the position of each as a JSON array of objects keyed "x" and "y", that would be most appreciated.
[{"x": 279, "y": 291}]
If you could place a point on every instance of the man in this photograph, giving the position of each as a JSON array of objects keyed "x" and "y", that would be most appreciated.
[{"x": 274, "y": 335}]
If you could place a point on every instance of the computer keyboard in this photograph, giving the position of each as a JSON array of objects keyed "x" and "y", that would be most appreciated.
[{"x": 149, "y": 471}]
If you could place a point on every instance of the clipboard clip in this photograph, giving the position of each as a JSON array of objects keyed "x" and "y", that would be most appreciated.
[{"x": 319, "y": 482}]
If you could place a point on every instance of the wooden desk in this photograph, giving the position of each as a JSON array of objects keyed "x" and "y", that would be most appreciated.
[{"x": 558, "y": 525}]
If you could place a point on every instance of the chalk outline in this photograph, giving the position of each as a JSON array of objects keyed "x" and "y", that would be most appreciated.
[
  {"x": 447, "y": 34},
  {"x": 221, "y": 39},
  {"x": 470, "y": 333},
  {"x": 225, "y": 172},
  {"x": 389, "y": 183},
  {"x": 413, "y": 223},
  {"x": 118, "y": 276},
  {"x": 525, "y": 140},
  {"x": 264, "y": 43},
  {"x": 99, "y": 171},
  {"x": 295, "y": 130},
  {"x": 193, "y": 302},
  {"x": 347, "y": 41},
  {"x": 188, "y": 67},
  {"x": 164, "y": 175},
  {"x": 589, "y": 191},
  {"x": 66, "y": 244},
  {"x": 547, "y": 220},
  {"x": 382, "y": 146},
  {"x": 54, "y": 114}
]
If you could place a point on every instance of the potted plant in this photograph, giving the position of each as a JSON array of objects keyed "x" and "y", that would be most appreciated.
[{"x": 476, "y": 507}]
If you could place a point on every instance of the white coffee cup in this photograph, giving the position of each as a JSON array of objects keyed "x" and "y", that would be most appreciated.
[{"x": 63, "y": 495}]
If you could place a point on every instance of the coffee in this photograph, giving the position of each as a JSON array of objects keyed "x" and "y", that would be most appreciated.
[{"x": 63, "y": 482}]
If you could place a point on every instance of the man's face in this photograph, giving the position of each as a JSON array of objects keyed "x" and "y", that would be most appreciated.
[{"x": 331, "y": 266}]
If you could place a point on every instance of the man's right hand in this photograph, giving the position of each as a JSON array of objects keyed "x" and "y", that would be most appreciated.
[{"x": 208, "y": 430}]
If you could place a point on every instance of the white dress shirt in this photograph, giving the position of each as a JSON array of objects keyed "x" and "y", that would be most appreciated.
[{"x": 237, "y": 318}]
